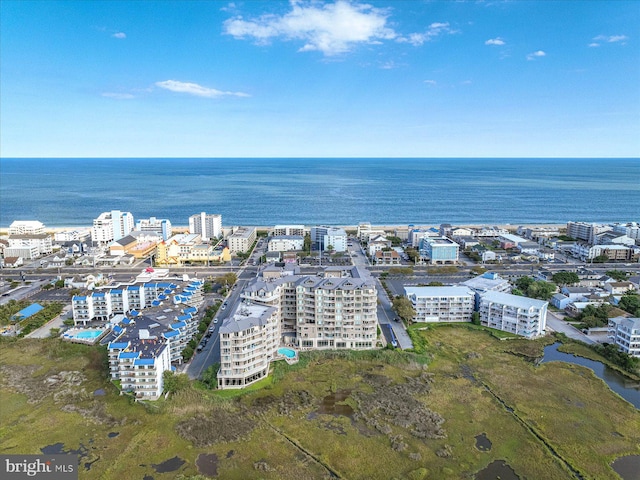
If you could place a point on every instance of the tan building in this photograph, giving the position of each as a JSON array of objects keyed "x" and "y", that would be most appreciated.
[
  {"x": 336, "y": 309},
  {"x": 241, "y": 239}
]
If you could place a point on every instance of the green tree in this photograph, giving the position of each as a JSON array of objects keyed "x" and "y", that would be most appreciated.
[
  {"x": 475, "y": 318},
  {"x": 630, "y": 302},
  {"x": 210, "y": 376},
  {"x": 540, "y": 289},
  {"x": 227, "y": 279},
  {"x": 404, "y": 308},
  {"x": 618, "y": 275},
  {"x": 523, "y": 283},
  {"x": 174, "y": 382},
  {"x": 600, "y": 259},
  {"x": 395, "y": 241},
  {"x": 307, "y": 243},
  {"x": 565, "y": 278},
  {"x": 435, "y": 284},
  {"x": 412, "y": 253}
]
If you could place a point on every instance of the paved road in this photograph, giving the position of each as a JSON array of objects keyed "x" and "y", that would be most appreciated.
[
  {"x": 45, "y": 330},
  {"x": 557, "y": 325},
  {"x": 386, "y": 316},
  {"x": 210, "y": 354}
]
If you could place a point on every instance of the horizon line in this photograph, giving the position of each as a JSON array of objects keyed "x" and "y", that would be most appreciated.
[{"x": 322, "y": 157}]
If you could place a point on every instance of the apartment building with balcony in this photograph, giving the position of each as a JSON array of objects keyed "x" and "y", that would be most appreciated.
[
  {"x": 249, "y": 339},
  {"x": 625, "y": 333},
  {"x": 160, "y": 226},
  {"x": 280, "y": 230},
  {"x": 335, "y": 309},
  {"x": 285, "y": 243},
  {"x": 103, "y": 304},
  {"x": 487, "y": 282},
  {"x": 241, "y": 239},
  {"x": 110, "y": 226},
  {"x": 26, "y": 227},
  {"x": 439, "y": 250},
  {"x": 208, "y": 226},
  {"x": 441, "y": 304},
  {"x": 513, "y": 313},
  {"x": 139, "y": 363}
]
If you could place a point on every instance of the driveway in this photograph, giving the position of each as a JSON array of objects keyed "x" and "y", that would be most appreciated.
[{"x": 557, "y": 325}]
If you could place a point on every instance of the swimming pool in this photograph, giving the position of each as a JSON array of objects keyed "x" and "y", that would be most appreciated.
[
  {"x": 87, "y": 334},
  {"x": 287, "y": 352}
]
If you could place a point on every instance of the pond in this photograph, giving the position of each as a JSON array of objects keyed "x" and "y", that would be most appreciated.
[
  {"x": 623, "y": 386},
  {"x": 628, "y": 467},
  {"x": 497, "y": 469}
]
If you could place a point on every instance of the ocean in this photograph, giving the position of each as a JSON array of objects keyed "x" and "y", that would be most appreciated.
[{"x": 72, "y": 192}]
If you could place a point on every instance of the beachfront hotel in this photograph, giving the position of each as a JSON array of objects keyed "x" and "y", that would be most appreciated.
[
  {"x": 208, "y": 226},
  {"x": 513, "y": 313},
  {"x": 110, "y": 226}
]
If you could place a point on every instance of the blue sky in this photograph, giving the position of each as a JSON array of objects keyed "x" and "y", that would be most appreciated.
[{"x": 311, "y": 79}]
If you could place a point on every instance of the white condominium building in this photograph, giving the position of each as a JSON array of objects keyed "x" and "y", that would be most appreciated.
[
  {"x": 155, "y": 225},
  {"x": 139, "y": 364},
  {"x": 280, "y": 230},
  {"x": 207, "y": 225},
  {"x": 29, "y": 246},
  {"x": 26, "y": 227},
  {"x": 285, "y": 243},
  {"x": 101, "y": 305},
  {"x": 325, "y": 237},
  {"x": 513, "y": 313},
  {"x": 441, "y": 304},
  {"x": 241, "y": 239},
  {"x": 249, "y": 340},
  {"x": 625, "y": 333},
  {"x": 487, "y": 282},
  {"x": 110, "y": 226}
]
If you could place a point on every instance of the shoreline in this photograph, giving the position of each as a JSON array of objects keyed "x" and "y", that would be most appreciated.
[{"x": 185, "y": 228}]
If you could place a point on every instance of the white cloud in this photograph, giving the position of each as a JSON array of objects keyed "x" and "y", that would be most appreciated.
[
  {"x": 332, "y": 28},
  {"x": 120, "y": 35},
  {"x": 434, "y": 30},
  {"x": 195, "y": 89},
  {"x": 118, "y": 96},
  {"x": 611, "y": 38},
  {"x": 594, "y": 44},
  {"x": 495, "y": 41},
  {"x": 535, "y": 55},
  {"x": 431, "y": 83}
]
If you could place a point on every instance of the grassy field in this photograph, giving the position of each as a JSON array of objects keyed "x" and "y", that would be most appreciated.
[{"x": 357, "y": 415}]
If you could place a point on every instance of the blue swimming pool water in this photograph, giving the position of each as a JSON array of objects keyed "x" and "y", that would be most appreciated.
[
  {"x": 88, "y": 334},
  {"x": 287, "y": 352}
]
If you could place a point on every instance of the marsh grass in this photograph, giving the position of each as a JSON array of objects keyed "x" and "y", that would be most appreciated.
[{"x": 567, "y": 405}]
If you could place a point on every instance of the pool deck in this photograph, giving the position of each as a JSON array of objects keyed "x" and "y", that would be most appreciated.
[{"x": 290, "y": 360}]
